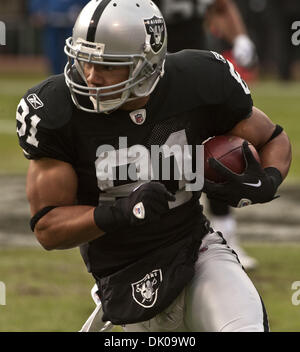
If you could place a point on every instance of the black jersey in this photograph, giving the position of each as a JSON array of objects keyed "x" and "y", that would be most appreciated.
[
  {"x": 199, "y": 96},
  {"x": 185, "y": 23}
]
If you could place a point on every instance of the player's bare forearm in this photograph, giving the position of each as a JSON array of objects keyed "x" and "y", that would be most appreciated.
[
  {"x": 258, "y": 129},
  {"x": 67, "y": 227},
  {"x": 54, "y": 183},
  {"x": 277, "y": 153}
]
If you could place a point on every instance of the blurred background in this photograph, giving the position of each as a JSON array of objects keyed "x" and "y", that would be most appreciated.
[
  {"x": 31, "y": 30},
  {"x": 50, "y": 291}
]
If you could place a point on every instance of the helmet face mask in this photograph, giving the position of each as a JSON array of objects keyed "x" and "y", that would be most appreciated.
[{"x": 127, "y": 33}]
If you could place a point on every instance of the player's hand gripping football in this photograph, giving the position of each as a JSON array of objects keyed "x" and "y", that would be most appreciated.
[
  {"x": 143, "y": 205},
  {"x": 254, "y": 185}
]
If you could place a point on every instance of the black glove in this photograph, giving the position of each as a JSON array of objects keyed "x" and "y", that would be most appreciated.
[
  {"x": 145, "y": 204},
  {"x": 255, "y": 185}
]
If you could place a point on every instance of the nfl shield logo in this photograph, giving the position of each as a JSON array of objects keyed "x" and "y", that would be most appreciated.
[
  {"x": 139, "y": 210},
  {"x": 244, "y": 202},
  {"x": 138, "y": 116},
  {"x": 155, "y": 27},
  {"x": 145, "y": 291}
]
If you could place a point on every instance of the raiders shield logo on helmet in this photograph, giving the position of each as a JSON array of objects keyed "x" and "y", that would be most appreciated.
[
  {"x": 155, "y": 27},
  {"x": 145, "y": 291}
]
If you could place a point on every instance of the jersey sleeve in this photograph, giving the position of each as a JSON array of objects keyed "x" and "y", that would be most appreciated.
[
  {"x": 236, "y": 103},
  {"x": 43, "y": 124},
  {"x": 210, "y": 83}
]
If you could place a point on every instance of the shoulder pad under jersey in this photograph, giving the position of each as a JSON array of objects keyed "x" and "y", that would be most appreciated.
[{"x": 51, "y": 101}]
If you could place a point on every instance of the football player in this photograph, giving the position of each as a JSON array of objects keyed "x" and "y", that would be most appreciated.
[
  {"x": 187, "y": 23},
  {"x": 88, "y": 134}
]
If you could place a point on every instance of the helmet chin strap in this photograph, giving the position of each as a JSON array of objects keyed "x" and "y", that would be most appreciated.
[{"x": 106, "y": 106}]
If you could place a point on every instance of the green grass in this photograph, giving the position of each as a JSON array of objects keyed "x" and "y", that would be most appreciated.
[
  {"x": 45, "y": 291},
  {"x": 278, "y": 269},
  {"x": 50, "y": 291}
]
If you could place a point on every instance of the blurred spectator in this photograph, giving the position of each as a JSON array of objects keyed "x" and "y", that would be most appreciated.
[
  {"x": 56, "y": 19},
  {"x": 209, "y": 24},
  {"x": 269, "y": 23}
]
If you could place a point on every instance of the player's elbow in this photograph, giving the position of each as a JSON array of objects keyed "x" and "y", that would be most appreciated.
[
  {"x": 44, "y": 235},
  {"x": 282, "y": 152},
  {"x": 44, "y": 241},
  {"x": 288, "y": 147}
]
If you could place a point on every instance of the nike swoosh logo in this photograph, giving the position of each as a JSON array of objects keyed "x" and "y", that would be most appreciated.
[{"x": 258, "y": 184}]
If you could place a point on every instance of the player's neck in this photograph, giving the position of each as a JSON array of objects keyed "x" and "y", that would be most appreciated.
[{"x": 135, "y": 104}]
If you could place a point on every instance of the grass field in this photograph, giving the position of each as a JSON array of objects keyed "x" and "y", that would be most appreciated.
[
  {"x": 45, "y": 291},
  {"x": 49, "y": 291}
]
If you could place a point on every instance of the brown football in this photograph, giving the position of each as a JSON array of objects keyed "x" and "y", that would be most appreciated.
[{"x": 227, "y": 149}]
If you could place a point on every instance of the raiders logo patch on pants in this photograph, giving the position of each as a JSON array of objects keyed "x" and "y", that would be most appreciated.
[
  {"x": 145, "y": 288},
  {"x": 219, "y": 298}
]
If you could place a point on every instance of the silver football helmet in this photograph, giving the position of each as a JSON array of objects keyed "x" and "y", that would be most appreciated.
[{"x": 117, "y": 32}]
